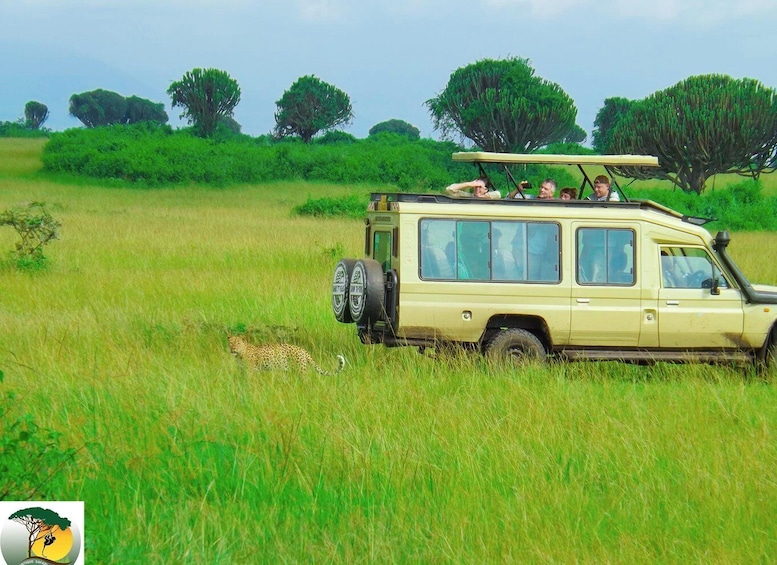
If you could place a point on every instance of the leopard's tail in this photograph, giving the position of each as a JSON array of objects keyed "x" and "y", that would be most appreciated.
[{"x": 341, "y": 365}]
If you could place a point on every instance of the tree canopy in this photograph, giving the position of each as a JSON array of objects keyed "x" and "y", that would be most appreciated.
[
  {"x": 702, "y": 126},
  {"x": 37, "y": 520},
  {"x": 104, "y": 108},
  {"x": 207, "y": 97},
  {"x": 400, "y": 127},
  {"x": 576, "y": 134},
  {"x": 310, "y": 106},
  {"x": 142, "y": 110},
  {"x": 98, "y": 107},
  {"x": 606, "y": 119},
  {"x": 35, "y": 113},
  {"x": 502, "y": 106}
]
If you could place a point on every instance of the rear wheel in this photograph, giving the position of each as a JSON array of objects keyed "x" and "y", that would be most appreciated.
[{"x": 516, "y": 347}]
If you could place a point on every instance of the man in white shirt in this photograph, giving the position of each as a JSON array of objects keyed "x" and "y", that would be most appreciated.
[
  {"x": 479, "y": 190},
  {"x": 602, "y": 191}
]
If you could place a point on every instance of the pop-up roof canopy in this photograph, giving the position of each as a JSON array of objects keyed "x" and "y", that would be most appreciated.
[
  {"x": 481, "y": 158},
  {"x": 551, "y": 159}
]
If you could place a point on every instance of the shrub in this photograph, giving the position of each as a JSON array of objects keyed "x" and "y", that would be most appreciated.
[
  {"x": 158, "y": 156},
  {"x": 21, "y": 129},
  {"x": 30, "y": 456},
  {"x": 351, "y": 206},
  {"x": 335, "y": 136},
  {"x": 35, "y": 228},
  {"x": 740, "y": 207}
]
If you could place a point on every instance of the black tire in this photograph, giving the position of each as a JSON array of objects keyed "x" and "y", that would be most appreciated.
[
  {"x": 516, "y": 347},
  {"x": 341, "y": 281},
  {"x": 768, "y": 367},
  {"x": 366, "y": 293}
]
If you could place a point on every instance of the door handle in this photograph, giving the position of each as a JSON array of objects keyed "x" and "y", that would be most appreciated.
[
  {"x": 583, "y": 300},
  {"x": 672, "y": 302}
]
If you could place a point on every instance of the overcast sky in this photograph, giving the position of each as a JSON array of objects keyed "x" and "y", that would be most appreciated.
[{"x": 389, "y": 56}]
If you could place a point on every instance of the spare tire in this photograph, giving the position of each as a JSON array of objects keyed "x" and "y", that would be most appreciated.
[
  {"x": 366, "y": 293},
  {"x": 340, "y": 283}
]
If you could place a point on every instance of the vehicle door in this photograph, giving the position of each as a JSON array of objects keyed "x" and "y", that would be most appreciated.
[
  {"x": 606, "y": 300},
  {"x": 690, "y": 315}
]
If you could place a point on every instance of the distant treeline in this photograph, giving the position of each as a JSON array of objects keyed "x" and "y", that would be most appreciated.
[
  {"x": 152, "y": 156},
  {"x": 146, "y": 155}
]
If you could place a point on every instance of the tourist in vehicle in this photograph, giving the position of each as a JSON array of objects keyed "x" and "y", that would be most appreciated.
[
  {"x": 591, "y": 265},
  {"x": 568, "y": 193},
  {"x": 547, "y": 189},
  {"x": 478, "y": 188},
  {"x": 603, "y": 191}
]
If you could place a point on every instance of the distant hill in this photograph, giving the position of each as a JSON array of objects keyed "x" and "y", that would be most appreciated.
[{"x": 33, "y": 73}]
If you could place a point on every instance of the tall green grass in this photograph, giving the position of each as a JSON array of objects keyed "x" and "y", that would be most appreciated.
[{"x": 184, "y": 455}]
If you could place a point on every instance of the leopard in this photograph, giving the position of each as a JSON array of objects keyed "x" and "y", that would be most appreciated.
[{"x": 277, "y": 356}]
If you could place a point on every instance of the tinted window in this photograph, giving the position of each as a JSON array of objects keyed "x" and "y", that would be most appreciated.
[
  {"x": 605, "y": 256},
  {"x": 501, "y": 250},
  {"x": 381, "y": 249}
]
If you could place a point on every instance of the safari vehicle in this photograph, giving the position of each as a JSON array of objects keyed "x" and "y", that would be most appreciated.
[{"x": 524, "y": 278}]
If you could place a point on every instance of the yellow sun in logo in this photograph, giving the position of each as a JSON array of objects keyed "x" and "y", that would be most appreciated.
[{"x": 60, "y": 544}]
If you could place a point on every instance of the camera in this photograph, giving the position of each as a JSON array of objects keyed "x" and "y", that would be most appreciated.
[{"x": 524, "y": 184}]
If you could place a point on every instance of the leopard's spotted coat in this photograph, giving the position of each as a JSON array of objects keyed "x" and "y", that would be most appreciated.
[{"x": 276, "y": 356}]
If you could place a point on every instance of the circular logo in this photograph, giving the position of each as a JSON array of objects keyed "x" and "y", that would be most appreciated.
[
  {"x": 340, "y": 284},
  {"x": 38, "y": 536},
  {"x": 356, "y": 290}
]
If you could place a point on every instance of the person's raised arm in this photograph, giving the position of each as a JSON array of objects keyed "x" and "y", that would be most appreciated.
[{"x": 458, "y": 188}]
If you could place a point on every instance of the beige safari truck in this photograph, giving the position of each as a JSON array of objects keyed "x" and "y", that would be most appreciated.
[{"x": 524, "y": 279}]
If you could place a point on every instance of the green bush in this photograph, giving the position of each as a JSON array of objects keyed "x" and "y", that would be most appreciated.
[
  {"x": 36, "y": 228},
  {"x": 352, "y": 206},
  {"x": 157, "y": 156},
  {"x": 21, "y": 129},
  {"x": 152, "y": 155},
  {"x": 30, "y": 456},
  {"x": 739, "y": 207},
  {"x": 335, "y": 136}
]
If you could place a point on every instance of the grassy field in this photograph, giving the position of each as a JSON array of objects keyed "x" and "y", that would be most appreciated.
[{"x": 182, "y": 455}]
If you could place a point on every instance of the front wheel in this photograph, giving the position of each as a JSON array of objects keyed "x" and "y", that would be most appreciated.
[
  {"x": 516, "y": 347},
  {"x": 768, "y": 366}
]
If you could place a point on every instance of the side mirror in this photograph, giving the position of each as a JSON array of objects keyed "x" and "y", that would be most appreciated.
[{"x": 715, "y": 290}]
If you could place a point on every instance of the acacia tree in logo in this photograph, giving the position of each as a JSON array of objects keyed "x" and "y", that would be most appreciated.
[{"x": 40, "y": 524}]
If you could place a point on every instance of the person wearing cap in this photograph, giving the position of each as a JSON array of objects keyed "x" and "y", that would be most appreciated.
[
  {"x": 602, "y": 191},
  {"x": 479, "y": 189},
  {"x": 547, "y": 189}
]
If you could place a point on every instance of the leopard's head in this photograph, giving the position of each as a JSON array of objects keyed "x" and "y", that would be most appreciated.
[{"x": 237, "y": 345}]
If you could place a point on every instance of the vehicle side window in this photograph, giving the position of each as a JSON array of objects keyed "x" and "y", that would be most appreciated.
[
  {"x": 689, "y": 267},
  {"x": 381, "y": 249},
  {"x": 438, "y": 244},
  {"x": 605, "y": 256},
  {"x": 473, "y": 250},
  {"x": 511, "y": 251},
  {"x": 526, "y": 251}
]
